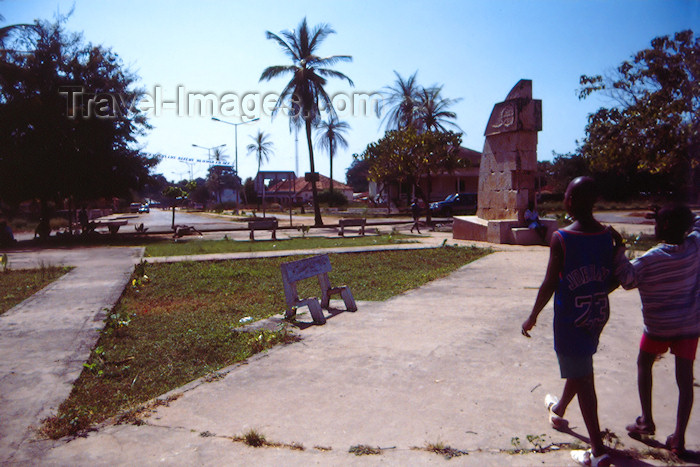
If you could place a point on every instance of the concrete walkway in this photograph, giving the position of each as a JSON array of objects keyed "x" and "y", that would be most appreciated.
[
  {"x": 444, "y": 363},
  {"x": 45, "y": 339}
]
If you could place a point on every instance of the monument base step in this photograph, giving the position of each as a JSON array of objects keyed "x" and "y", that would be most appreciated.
[{"x": 508, "y": 231}]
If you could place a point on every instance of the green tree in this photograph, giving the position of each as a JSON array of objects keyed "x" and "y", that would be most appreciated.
[
  {"x": 201, "y": 193},
  {"x": 407, "y": 156},
  {"x": 249, "y": 193},
  {"x": 221, "y": 177},
  {"x": 654, "y": 128},
  {"x": 177, "y": 195},
  {"x": 330, "y": 137},
  {"x": 357, "y": 174},
  {"x": 67, "y": 126},
  {"x": 305, "y": 91}
]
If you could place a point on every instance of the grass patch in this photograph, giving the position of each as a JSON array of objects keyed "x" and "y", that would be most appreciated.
[
  {"x": 255, "y": 439},
  {"x": 200, "y": 247},
  {"x": 445, "y": 451},
  {"x": 176, "y": 322},
  {"x": 364, "y": 450},
  {"x": 18, "y": 285}
]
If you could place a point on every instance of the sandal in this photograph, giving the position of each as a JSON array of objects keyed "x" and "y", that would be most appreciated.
[
  {"x": 557, "y": 422},
  {"x": 587, "y": 458},
  {"x": 639, "y": 428},
  {"x": 673, "y": 446}
]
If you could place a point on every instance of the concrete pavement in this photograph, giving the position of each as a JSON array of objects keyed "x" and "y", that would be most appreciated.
[
  {"x": 45, "y": 339},
  {"x": 442, "y": 363}
]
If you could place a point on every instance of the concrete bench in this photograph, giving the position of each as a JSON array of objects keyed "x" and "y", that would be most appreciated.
[
  {"x": 319, "y": 266},
  {"x": 352, "y": 223},
  {"x": 526, "y": 236},
  {"x": 263, "y": 224}
]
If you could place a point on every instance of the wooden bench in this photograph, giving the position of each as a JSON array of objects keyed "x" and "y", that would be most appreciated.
[
  {"x": 352, "y": 223},
  {"x": 264, "y": 224},
  {"x": 318, "y": 266}
]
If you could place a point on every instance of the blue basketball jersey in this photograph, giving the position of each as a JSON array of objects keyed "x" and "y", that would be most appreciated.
[{"x": 581, "y": 306}]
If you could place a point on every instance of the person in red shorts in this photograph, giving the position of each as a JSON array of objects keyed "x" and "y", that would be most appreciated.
[{"x": 668, "y": 280}]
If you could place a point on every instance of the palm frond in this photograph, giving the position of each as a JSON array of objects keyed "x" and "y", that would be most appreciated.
[
  {"x": 334, "y": 74},
  {"x": 290, "y": 51},
  {"x": 274, "y": 71},
  {"x": 320, "y": 32}
]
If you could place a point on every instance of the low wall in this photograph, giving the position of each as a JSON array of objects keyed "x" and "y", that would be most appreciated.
[{"x": 497, "y": 231}]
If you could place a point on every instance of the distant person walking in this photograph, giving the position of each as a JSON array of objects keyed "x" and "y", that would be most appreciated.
[
  {"x": 668, "y": 279},
  {"x": 415, "y": 211},
  {"x": 579, "y": 274},
  {"x": 83, "y": 220}
]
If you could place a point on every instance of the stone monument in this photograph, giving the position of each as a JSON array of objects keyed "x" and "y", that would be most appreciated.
[{"x": 507, "y": 171}]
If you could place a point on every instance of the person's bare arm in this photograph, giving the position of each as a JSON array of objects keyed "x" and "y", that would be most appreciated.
[{"x": 549, "y": 285}]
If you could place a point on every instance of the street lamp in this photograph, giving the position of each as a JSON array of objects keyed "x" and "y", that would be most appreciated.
[
  {"x": 209, "y": 149},
  {"x": 236, "y": 133}
]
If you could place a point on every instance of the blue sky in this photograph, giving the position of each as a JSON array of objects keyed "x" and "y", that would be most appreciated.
[{"x": 478, "y": 50}]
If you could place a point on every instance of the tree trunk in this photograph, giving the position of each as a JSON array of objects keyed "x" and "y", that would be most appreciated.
[
  {"x": 318, "y": 222},
  {"x": 331, "y": 180}
]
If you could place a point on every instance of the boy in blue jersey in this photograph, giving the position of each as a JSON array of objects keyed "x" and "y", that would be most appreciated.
[
  {"x": 668, "y": 279},
  {"x": 579, "y": 275}
]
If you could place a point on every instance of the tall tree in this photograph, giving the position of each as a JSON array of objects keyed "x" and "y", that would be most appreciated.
[
  {"x": 331, "y": 137},
  {"x": 305, "y": 91},
  {"x": 262, "y": 147},
  {"x": 402, "y": 100},
  {"x": 654, "y": 126},
  {"x": 67, "y": 126}
]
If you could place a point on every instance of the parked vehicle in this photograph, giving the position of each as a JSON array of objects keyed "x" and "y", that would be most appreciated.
[
  {"x": 457, "y": 203},
  {"x": 144, "y": 208},
  {"x": 134, "y": 207}
]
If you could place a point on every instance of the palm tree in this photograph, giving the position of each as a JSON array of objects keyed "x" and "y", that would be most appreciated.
[
  {"x": 403, "y": 99},
  {"x": 309, "y": 73},
  {"x": 331, "y": 137},
  {"x": 262, "y": 147},
  {"x": 432, "y": 113}
]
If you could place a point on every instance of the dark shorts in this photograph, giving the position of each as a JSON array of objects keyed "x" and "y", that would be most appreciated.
[
  {"x": 574, "y": 366},
  {"x": 683, "y": 348}
]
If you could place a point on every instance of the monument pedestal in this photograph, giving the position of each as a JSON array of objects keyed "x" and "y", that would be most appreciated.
[
  {"x": 507, "y": 174},
  {"x": 499, "y": 231}
]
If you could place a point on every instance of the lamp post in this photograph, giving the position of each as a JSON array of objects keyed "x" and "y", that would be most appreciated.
[
  {"x": 236, "y": 134},
  {"x": 209, "y": 150}
]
